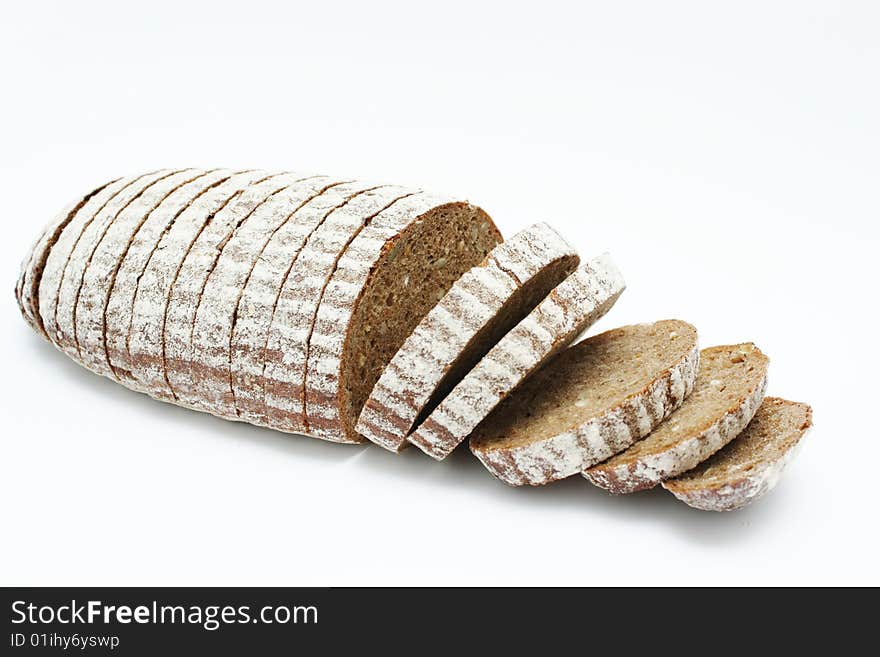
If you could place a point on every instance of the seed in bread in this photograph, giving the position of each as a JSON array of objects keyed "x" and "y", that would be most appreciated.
[
  {"x": 749, "y": 466},
  {"x": 480, "y": 308},
  {"x": 571, "y": 307},
  {"x": 594, "y": 400},
  {"x": 729, "y": 389}
]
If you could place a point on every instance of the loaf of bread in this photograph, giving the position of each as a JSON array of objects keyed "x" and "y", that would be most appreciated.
[
  {"x": 276, "y": 298},
  {"x": 350, "y": 310}
]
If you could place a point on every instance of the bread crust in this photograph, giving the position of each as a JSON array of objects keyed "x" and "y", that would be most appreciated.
[
  {"x": 60, "y": 253},
  {"x": 214, "y": 322},
  {"x": 572, "y": 307},
  {"x": 415, "y": 372},
  {"x": 27, "y": 290},
  {"x": 145, "y": 344},
  {"x": 104, "y": 262},
  {"x": 119, "y": 307},
  {"x": 647, "y": 470}
]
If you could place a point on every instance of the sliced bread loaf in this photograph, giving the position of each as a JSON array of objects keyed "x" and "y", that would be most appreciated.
[
  {"x": 573, "y": 306},
  {"x": 594, "y": 400},
  {"x": 750, "y": 466},
  {"x": 729, "y": 389},
  {"x": 480, "y": 308}
]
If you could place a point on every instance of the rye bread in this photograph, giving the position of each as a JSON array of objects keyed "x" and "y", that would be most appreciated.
[
  {"x": 594, "y": 400},
  {"x": 72, "y": 278},
  {"x": 186, "y": 295},
  {"x": 59, "y": 254},
  {"x": 479, "y": 309},
  {"x": 259, "y": 306},
  {"x": 570, "y": 308},
  {"x": 214, "y": 322},
  {"x": 28, "y": 286},
  {"x": 749, "y": 466},
  {"x": 297, "y": 306},
  {"x": 145, "y": 358},
  {"x": 119, "y": 308},
  {"x": 390, "y": 275},
  {"x": 104, "y": 262},
  {"x": 729, "y": 389}
]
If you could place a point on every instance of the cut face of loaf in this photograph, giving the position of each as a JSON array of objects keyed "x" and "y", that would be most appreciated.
[
  {"x": 169, "y": 283},
  {"x": 751, "y": 465},
  {"x": 391, "y": 274},
  {"x": 570, "y": 308},
  {"x": 480, "y": 308},
  {"x": 729, "y": 389},
  {"x": 594, "y": 400}
]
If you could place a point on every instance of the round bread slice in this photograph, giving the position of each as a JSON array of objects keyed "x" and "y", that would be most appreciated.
[
  {"x": 570, "y": 308},
  {"x": 144, "y": 343},
  {"x": 729, "y": 389},
  {"x": 751, "y": 465},
  {"x": 479, "y": 309},
  {"x": 593, "y": 401}
]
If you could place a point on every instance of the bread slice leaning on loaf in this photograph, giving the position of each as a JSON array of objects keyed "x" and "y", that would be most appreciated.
[
  {"x": 592, "y": 401},
  {"x": 479, "y": 309},
  {"x": 570, "y": 308},
  {"x": 729, "y": 389},
  {"x": 751, "y": 465},
  {"x": 147, "y": 279}
]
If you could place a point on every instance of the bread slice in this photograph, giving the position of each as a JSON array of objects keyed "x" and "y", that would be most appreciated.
[
  {"x": 102, "y": 265},
  {"x": 300, "y": 298},
  {"x": 260, "y": 310},
  {"x": 573, "y": 306},
  {"x": 178, "y": 339},
  {"x": 393, "y": 271},
  {"x": 594, "y": 400},
  {"x": 215, "y": 321},
  {"x": 60, "y": 252},
  {"x": 750, "y": 466},
  {"x": 479, "y": 309},
  {"x": 28, "y": 286},
  {"x": 123, "y": 286},
  {"x": 145, "y": 344},
  {"x": 72, "y": 279},
  {"x": 729, "y": 389}
]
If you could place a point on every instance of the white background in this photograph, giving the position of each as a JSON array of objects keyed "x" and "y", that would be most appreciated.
[{"x": 727, "y": 154}]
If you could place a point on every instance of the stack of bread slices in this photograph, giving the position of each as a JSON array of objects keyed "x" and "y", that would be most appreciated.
[{"x": 354, "y": 311}]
